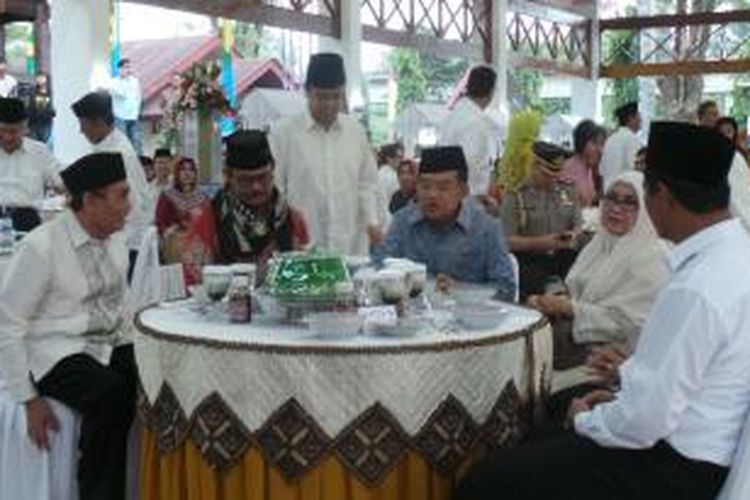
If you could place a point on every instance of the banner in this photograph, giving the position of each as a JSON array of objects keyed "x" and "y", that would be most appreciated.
[{"x": 114, "y": 36}]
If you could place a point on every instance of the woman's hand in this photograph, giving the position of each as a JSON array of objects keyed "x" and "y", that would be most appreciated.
[
  {"x": 556, "y": 306},
  {"x": 605, "y": 362},
  {"x": 443, "y": 283},
  {"x": 587, "y": 403}
]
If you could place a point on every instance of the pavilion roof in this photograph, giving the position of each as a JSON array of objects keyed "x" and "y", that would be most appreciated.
[{"x": 155, "y": 61}]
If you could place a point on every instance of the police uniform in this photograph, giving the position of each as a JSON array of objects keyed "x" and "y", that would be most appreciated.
[
  {"x": 532, "y": 211},
  {"x": 535, "y": 212}
]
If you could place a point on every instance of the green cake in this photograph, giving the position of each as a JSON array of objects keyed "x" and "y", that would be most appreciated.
[{"x": 297, "y": 276}]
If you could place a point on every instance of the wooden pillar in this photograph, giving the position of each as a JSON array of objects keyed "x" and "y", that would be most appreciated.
[
  {"x": 2, "y": 41},
  {"x": 42, "y": 37}
]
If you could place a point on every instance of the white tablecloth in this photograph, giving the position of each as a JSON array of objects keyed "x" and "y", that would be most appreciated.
[
  {"x": 201, "y": 377},
  {"x": 4, "y": 260}
]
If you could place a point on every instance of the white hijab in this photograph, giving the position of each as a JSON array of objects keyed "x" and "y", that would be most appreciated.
[{"x": 615, "y": 279}]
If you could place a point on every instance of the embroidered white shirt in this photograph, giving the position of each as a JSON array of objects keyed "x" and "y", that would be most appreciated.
[
  {"x": 331, "y": 176},
  {"x": 62, "y": 294}
]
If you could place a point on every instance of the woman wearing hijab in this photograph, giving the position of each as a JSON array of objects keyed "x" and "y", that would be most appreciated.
[
  {"x": 185, "y": 220},
  {"x": 614, "y": 280}
]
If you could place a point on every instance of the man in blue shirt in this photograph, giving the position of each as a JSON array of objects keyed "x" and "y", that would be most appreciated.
[{"x": 448, "y": 230}]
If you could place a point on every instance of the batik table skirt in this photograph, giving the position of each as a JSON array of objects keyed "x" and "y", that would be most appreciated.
[{"x": 268, "y": 413}]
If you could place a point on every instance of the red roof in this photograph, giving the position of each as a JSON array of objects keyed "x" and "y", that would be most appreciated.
[{"x": 155, "y": 61}]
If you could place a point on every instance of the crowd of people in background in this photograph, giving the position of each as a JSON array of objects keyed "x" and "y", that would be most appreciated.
[{"x": 650, "y": 293}]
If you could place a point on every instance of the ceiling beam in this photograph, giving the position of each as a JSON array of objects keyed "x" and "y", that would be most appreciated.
[
  {"x": 17, "y": 10},
  {"x": 675, "y": 20},
  {"x": 423, "y": 43},
  {"x": 550, "y": 66},
  {"x": 552, "y": 14},
  {"x": 575, "y": 8},
  {"x": 676, "y": 68},
  {"x": 255, "y": 12}
]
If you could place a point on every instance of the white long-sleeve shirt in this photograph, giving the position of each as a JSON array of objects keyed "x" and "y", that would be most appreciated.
[
  {"x": 26, "y": 172},
  {"x": 331, "y": 176},
  {"x": 739, "y": 185},
  {"x": 8, "y": 86},
  {"x": 387, "y": 185},
  {"x": 688, "y": 381},
  {"x": 618, "y": 156},
  {"x": 126, "y": 98},
  {"x": 61, "y": 294},
  {"x": 470, "y": 127},
  {"x": 140, "y": 215}
]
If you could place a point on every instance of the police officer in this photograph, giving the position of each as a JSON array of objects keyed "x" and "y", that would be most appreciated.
[{"x": 542, "y": 221}]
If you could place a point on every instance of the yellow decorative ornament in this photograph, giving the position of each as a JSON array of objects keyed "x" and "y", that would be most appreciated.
[{"x": 514, "y": 167}]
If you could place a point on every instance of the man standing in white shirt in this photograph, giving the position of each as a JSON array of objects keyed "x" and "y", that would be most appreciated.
[
  {"x": 27, "y": 167},
  {"x": 126, "y": 102},
  {"x": 325, "y": 166},
  {"x": 8, "y": 84},
  {"x": 621, "y": 148},
  {"x": 61, "y": 306},
  {"x": 94, "y": 112},
  {"x": 468, "y": 125},
  {"x": 672, "y": 428}
]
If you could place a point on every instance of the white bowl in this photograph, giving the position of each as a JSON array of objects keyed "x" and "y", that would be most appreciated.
[
  {"x": 405, "y": 327},
  {"x": 480, "y": 316},
  {"x": 335, "y": 324}
]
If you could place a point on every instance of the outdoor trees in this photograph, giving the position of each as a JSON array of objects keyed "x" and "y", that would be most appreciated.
[
  {"x": 680, "y": 94},
  {"x": 423, "y": 77}
]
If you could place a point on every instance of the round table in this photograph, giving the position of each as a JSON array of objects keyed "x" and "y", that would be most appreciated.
[
  {"x": 4, "y": 261},
  {"x": 266, "y": 412}
]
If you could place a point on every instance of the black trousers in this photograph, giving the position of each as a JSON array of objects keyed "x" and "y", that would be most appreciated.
[
  {"x": 570, "y": 467},
  {"x": 132, "y": 257},
  {"x": 105, "y": 398},
  {"x": 24, "y": 218},
  {"x": 537, "y": 269}
]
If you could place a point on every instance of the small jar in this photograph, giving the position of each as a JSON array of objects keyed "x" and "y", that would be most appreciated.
[{"x": 240, "y": 300}]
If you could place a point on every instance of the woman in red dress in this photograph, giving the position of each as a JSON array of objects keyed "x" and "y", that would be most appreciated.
[{"x": 185, "y": 220}]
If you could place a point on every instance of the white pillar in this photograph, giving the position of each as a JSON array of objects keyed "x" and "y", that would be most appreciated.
[
  {"x": 80, "y": 63},
  {"x": 586, "y": 98},
  {"x": 586, "y": 95},
  {"x": 350, "y": 48},
  {"x": 646, "y": 86},
  {"x": 500, "y": 58}
]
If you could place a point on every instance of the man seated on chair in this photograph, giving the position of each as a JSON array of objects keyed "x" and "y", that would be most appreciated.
[
  {"x": 672, "y": 428},
  {"x": 447, "y": 230},
  {"x": 253, "y": 218},
  {"x": 61, "y": 320},
  {"x": 26, "y": 167}
]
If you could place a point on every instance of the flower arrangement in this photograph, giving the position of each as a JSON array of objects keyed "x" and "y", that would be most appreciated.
[
  {"x": 197, "y": 89},
  {"x": 514, "y": 167}
]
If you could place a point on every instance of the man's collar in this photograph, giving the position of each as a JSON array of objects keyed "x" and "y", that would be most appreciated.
[
  {"x": 463, "y": 220},
  {"x": 78, "y": 234},
  {"x": 311, "y": 124},
  {"x": 469, "y": 103},
  {"x": 698, "y": 242}
]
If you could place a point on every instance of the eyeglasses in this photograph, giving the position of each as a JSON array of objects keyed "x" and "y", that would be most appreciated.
[{"x": 627, "y": 203}]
